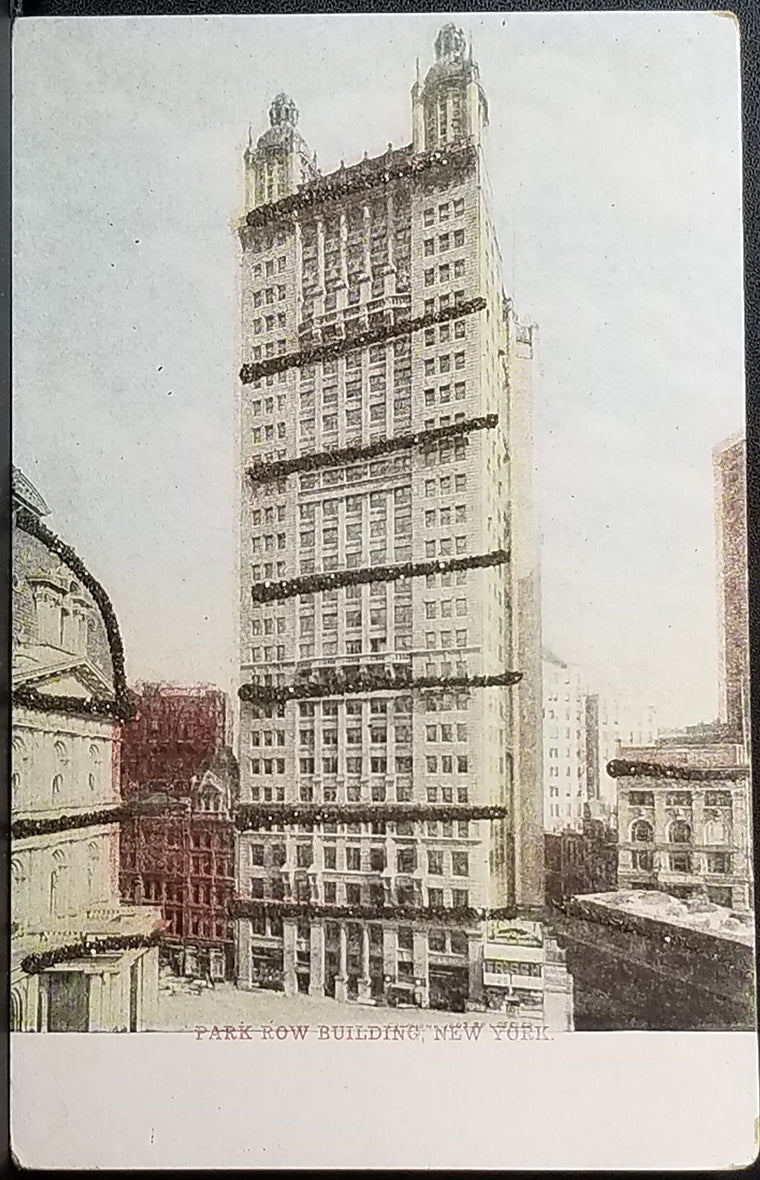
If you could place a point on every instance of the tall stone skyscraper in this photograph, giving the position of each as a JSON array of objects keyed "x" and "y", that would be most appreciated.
[{"x": 390, "y": 758}]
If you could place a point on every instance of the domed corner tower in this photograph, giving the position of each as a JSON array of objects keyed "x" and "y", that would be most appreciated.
[
  {"x": 450, "y": 105},
  {"x": 280, "y": 162}
]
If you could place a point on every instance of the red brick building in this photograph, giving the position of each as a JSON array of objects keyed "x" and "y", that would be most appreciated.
[
  {"x": 173, "y": 737},
  {"x": 179, "y": 851}
]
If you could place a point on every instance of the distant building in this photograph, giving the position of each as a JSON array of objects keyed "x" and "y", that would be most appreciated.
[
  {"x": 583, "y": 861},
  {"x": 175, "y": 732},
  {"x": 178, "y": 849},
  {"x": 566, "y": 769},
  {"x": 684, "y": 818},
  {"x": 81, "y": 961},
  {"x": 730, "y": 474},
  {"x": 647, "y": 960},
  {"x": 608, "y": 722}
]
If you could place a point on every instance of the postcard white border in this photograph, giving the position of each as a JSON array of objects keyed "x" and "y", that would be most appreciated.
[{"x": 598, "y": 1101}]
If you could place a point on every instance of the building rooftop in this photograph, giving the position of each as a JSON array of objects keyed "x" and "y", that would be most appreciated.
[{"x": 698, "y": 913}]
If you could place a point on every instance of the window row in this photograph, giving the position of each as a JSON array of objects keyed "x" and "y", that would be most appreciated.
[
  {"x": 272, "y": 349},
  {"x": 446, "y": 546},
  {"x": 445, "y": 211},
  {"x": 435, "y": 517},
  {"x": 270, "y": 570},
  {"x": 270, "y": 267},
  {"x": 443, "y": 364},
  {"x": 402, "y": 790},
  {"x": 445, "y": 272},
  {"x": 445, "y": 242},
  {"x": 444, "y": 395}
]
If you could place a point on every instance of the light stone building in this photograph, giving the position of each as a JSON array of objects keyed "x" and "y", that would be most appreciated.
[
  {"x": 372, "y": 307},
  {"x": 684, "y": 823},
  {"x": 80, "y": 961},
  {"x": 564, "y": 733}
]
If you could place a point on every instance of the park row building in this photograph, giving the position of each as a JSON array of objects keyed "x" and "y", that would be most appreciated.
[{"x": 389, "y": 803}]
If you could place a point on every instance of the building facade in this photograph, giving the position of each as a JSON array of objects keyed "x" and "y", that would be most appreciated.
[
  {"x": 684, "y": 820},
  {"x": 178, "y": 848},
  {"x": 388, "y": 799},
  {"x": 80, "y": 960},
  {"x": 174, "y": 733},
  {"x": 583, "y": 861},
  {"x": 608, "y": 724},
  {"x": 648, "y": 961},
  {"x": 730, "y": 480},
  {"x": 566, "y": 768}
]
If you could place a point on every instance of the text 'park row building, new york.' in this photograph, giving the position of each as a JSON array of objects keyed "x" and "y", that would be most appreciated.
[{"x": 391, "y": 806}]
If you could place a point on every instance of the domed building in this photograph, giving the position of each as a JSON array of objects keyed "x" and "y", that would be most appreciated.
[{"x": 80, "y": 960}]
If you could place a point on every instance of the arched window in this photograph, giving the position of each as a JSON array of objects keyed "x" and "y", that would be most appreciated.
[
  {"x": 57, "y": 784},
  {"x": 93, "y": 866},
  {"x": 679, "y": 832},
  {"x": 19, "y": 886},
  {"x": 93, "y": 777},
  {"x": 17, "y": 1009},
  {"x": 642, "y": 832},
  {"x": 716, "y": 832},
  {"x": 58, "y": 883}
]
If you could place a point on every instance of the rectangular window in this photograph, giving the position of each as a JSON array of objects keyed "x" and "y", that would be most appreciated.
[
  {"x": 407, "y": 860},
  {"x": 435, "y": 862},
  {"x": 460, "y": 864}
]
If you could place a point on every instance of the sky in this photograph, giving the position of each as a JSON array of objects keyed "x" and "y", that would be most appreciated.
[{"x": 615, "y": 157}]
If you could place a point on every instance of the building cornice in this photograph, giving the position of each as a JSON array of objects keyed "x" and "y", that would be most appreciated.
[
  {"x": 622, "y": 768},
  {"x": 402, "y": 164}
]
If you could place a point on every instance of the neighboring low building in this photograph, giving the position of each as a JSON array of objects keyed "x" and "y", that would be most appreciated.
[
  {"x": 580, "y": 862},
  {"x": 525, "y": 975},
  {"x": 647, "y": 960},
  {"x": 80, "y": 960},
  {"x": 684, "y": 821}
]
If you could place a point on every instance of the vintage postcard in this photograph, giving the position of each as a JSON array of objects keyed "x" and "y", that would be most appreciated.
[{"x": 381, "y": 702}]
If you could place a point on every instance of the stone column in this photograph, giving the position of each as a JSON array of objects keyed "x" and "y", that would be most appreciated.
[
  {"x": 148, "y": 1008},
  {"x": 661, "y": 861},
  {"x": 420, "y": 952},
  {"x": 319, "y": 300},
  {"x": 317, "y": 959},
  {"x": 389, "y": 230},
  {"x": 341, "y": 979},
  {"x": 365, "y": 983},
  {"x": 343, "y": 254},
  {"x": 243, "y": 967},
  {"x": 98, "y": 984},
  {"x": 474, "y": 969},
  {"x": 43, "y": 1003},
  {"x": 390, "y": 951},
  {"x": 289, "y": 957}
]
